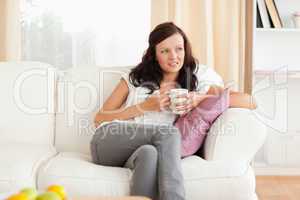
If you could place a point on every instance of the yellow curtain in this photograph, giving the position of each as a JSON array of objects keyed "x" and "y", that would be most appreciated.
[
  {"x": 217, "y": 30},
  {"x": 10, "y": 34}
]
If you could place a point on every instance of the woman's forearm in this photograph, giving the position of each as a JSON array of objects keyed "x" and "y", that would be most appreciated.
[
  {"x": 241, "y": 100},
  {"x": 237, "y": 99},
  {"x": 121, "y": 114}
]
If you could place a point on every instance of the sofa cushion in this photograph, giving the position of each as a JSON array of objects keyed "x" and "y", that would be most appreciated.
[
  {"x": 80, "y": 176},
  {"x": 194, "y": 125},
  {"x": 19, "y": 163},
  {"x": 80, "y": 99},
  {"x": 27, "y": 102}
]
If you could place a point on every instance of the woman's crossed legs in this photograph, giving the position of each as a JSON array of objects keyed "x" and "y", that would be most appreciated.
[{"x": 131, "y": 145}]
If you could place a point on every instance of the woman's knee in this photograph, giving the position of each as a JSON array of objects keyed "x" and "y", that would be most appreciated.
[{"x": 148, "y": 152}]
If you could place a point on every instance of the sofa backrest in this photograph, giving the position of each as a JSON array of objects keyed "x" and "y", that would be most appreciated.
[
  {"x": 81, "y": 93},
  {"x": 27, "y": 102}
]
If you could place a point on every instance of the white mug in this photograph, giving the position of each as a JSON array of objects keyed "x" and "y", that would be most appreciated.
[{"x": 173, "y": 94}]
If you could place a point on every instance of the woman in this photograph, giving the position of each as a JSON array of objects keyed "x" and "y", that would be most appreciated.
[{"x": 141, "y": 135}]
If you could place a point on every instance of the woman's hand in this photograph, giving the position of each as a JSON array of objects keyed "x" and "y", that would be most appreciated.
[
  {"x": 156, "y": 102},
  {"x": 193, "y": 99},
  {"x": 159, "y": 101}
]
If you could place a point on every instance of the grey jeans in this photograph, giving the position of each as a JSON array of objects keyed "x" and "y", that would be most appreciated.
[{"x": 152, "y": 151}]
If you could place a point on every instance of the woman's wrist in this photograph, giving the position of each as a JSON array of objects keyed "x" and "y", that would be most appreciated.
[{"x": 96, "y": 123}]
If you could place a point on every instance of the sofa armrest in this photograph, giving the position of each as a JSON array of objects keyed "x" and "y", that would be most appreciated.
[
  {"x": 236, "y": 134},
  {"x": 212, "y": 169}
]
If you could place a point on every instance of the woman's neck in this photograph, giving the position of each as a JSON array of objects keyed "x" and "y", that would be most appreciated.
[{"x": 171, "y": 77}]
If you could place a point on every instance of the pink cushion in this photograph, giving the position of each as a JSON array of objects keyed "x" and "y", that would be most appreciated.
[{"x": 195, "y": 124}]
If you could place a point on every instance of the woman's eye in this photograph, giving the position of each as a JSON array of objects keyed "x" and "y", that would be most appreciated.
[
  {"x": 179, "y": 48},
  {"x": 165, "y": 51}
]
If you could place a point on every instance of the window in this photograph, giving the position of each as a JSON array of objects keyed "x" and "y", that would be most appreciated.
[{"x": 68, "y": 33}]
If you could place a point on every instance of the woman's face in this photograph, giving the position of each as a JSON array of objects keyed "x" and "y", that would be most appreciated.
[{"x": 170, "y": 53}]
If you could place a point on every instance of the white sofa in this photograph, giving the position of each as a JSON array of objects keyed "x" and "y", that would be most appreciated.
[{"x": 46, "y": 124}]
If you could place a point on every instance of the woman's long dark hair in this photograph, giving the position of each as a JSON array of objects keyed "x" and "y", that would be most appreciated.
[{"x": 149, "y": 74}]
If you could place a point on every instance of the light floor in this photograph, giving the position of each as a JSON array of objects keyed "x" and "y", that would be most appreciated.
[{"x": 278, "y": 187}]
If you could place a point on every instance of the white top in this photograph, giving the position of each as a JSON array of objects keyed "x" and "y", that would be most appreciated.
[{"x": 206, "y": 77}]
